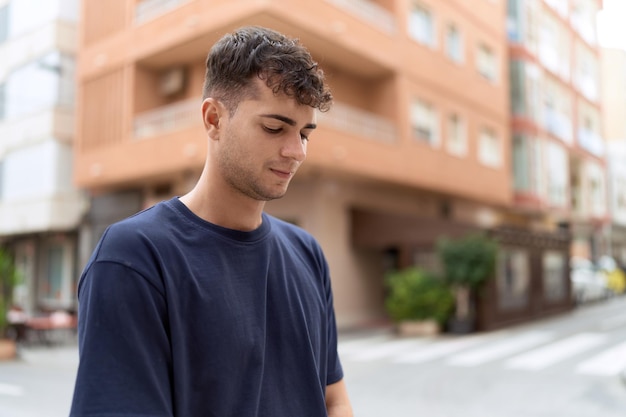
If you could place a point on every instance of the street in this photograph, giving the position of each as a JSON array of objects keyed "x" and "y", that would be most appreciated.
[
  {"x": 562, "y": 367},
  {"x": 567, "y": 366}
]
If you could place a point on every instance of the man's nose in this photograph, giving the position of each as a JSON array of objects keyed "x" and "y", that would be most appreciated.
[{"x": 294, "y": 147}]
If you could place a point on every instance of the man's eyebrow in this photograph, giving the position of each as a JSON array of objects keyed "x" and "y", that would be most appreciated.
[{"x": 288, "y": 120}]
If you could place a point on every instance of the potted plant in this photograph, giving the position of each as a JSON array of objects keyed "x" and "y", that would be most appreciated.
[
  {"x": 418, "y": 302},
  {"x": 8, "y": 280},
  {"x": 467, "y": 262}
]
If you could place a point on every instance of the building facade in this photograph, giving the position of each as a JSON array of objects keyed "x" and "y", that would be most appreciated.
[
  {"x": 613, "y": 65},
  {"x": 418, "y": 134},
  {"x": 40, "y": 209},
  {"x": 559, "y": 153}
]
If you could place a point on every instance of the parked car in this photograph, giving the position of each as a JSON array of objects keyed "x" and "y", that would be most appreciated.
[
  {"x": 589, "y": 282},
  {"x": 615, "y": 276}
]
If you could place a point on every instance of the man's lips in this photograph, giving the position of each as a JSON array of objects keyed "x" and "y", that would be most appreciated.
[{"x": 284, "y": 174}]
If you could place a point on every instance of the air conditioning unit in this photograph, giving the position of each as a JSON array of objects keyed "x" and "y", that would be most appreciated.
[{"x": 172, "y": 81}]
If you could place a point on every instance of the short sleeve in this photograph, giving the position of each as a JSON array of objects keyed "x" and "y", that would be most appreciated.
[{"x": 125, "y": 364}]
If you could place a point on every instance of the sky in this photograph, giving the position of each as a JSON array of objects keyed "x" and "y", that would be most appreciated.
[{"x": 612, "y": 24}]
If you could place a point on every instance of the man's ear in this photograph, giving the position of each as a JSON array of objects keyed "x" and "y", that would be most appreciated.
[{"x": 212, "y": 112}]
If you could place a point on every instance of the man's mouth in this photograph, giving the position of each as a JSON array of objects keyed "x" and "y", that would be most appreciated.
[{"x": 282, "y": 173}]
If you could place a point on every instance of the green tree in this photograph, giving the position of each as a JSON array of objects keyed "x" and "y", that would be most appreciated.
[
  {"x": 468, "y": 262},
  {"x": 8, "y": 280}
]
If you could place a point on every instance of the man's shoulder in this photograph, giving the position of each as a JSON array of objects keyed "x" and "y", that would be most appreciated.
[
  {"x": 135, "y": 231},
  {"x": 296, "y": 237},
  {"x": 283, "y": 227}
]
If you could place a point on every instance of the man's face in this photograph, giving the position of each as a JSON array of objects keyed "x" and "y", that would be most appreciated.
[{"x": 262, "y": 145}]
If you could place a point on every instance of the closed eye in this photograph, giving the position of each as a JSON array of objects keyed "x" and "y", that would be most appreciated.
[{"x": 270, "y": 130}]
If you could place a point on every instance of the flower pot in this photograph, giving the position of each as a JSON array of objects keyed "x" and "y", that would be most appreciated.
[
  {"x": 460, "y": 326},
  {"x": 8, "y": 349},
  {"x": 412, "y": 328}
]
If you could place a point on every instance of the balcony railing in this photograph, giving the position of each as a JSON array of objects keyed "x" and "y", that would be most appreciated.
[
  {"x": 167, "y": 119},
  {"x": 185, "y": 114},
  {"x": 559, "y": 125},
  {"x": 359, "y": 122},
  {"x": 149, "y": 9},
  {"x": 371, "y": 12},
  {"x": 591, "y": 141}
]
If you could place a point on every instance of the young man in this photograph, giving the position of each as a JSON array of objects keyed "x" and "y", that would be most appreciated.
[{"x": 204, "y": 305}]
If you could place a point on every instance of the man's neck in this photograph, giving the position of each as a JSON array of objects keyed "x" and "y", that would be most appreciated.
[{"x": 229, "y": 210}]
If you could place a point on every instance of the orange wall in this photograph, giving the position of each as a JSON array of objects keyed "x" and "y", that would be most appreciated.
[{"x": 366, "y": 68}]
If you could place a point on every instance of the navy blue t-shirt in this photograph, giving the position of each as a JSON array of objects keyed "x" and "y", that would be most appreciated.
[{"x": 180, "y": 317}]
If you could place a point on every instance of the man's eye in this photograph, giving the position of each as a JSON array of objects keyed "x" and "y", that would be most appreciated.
[
  {"x": 304, "y": 137},
  {"x": 270, "y": 130}
]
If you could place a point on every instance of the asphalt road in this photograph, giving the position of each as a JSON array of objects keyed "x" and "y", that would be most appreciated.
[{"x": 566, "y": 366}]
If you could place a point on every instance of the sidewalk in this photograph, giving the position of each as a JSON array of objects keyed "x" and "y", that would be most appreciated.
[{"x": 63, "y": 356}]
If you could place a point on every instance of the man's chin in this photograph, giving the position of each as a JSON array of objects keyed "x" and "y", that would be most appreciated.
[{"x": 274, "y": 196}]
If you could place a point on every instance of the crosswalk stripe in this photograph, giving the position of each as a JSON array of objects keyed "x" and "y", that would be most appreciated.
[
  {"x": 439, "y": 350},
  {"x": 545, "y": 356},
  {"x": 608, "y": 363},
  {"x": 12, "y": 390},
  {"x": 498, "y": 350},
  {"x": 349, "y": 347},
  {"x": 387, "y": 349},
  {"x": 613, "y": 322}
]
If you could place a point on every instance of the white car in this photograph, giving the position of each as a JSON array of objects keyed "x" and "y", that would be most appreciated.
[{"x": 589, "y": 283}]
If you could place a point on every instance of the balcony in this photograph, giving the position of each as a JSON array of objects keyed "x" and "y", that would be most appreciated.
[
  {"x": 548, "y": 55},
  {"x": 185, "y": 114},
  {"x": 587, "y": 86},
  {"x": 37, "y": 127},
  {"x": 62, "y": 211},
  {"x": 591, "y": 142},
  {"x": 370, "y": 12},
  {"x": 583, "y": 24},
  {"x": 167, "y": 119},
  {"x": 19, "y": 51},
  {"x": 580, "y": 207},
  {"x": 358, "y": 122},
  {"x": 559, "y": 125},
  {"x": 149, "y": 9}
]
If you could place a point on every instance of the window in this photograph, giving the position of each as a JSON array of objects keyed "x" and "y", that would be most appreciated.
[
  {"x": 3, "y": 99},
  {"x": 586, "y": 76},
  {"x": 486, "y": 62},
  {"x": 422, "y": 26},
  {"x": 513, "y": 278},
  {"x": 518, "y": 87},
  {"x": 55, "y": 289},
  {"x": 1, "y": 178},
  {"x": 597, "y": 188},
  {"x": 583, "y": 19},
  {"x": 456, "y": 140},
  {"x": 620, "y": 192},
  {"x": 513, "y": 21},
  {"x": 549, "y": 53},
  {"x": 554, "y": 276},
  {"x": 489, "y": 148},
  {"x": 454, "y": 43},
  {"x": 44, "y": 82},
  {"x": 424, "y": 122},
  {"x": 27, "y": 15},
  {"x": 588, "y": 130},
  {"x": 4, "y": 22},
  {"x": 558, "y": 174},
  {"x": 521, "y": 164}
]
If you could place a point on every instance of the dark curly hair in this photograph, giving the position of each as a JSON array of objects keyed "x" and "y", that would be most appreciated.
[{"x": 283, "y": 63}]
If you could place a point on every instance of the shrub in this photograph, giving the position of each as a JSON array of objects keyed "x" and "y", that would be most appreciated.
[
  {"x": 417, "y": 295},
  {"x": 8, "y": 280}
]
